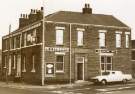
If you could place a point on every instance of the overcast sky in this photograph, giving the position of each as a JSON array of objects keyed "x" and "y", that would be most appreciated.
[{"x": 11, "y": 10}]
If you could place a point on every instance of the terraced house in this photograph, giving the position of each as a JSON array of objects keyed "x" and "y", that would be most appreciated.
[{"x": 65, "y": 46}]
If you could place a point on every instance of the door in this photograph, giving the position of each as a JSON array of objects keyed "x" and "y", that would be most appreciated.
[
  {"x": 80, "y": 71},
  {"x": 80, "y": 68}
]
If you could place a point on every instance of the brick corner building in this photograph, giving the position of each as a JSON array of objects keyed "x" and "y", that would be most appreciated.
[{"x": 65, "y": 46}]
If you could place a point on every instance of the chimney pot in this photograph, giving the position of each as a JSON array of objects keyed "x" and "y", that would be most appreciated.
[
  {"x": 87, "y": 9},
  {"x": 23, "y": 15},
  {"x": 31, "y": 10},
  {"x": 42, "y": 8},
  {"x": 88, "y": 5}
]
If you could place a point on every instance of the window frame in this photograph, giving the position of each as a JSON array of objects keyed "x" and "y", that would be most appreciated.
[
  {"x": 80, "y": 37},
  {"x": 102, "y": 41},
  {"x": 118, "y": 40},
  {"x": 33, "y": 63},
  {"x": 60, "y": 71},
  {"x": 127, "y": 39},
  {"x": 24, "y": 64},
  {"x": 59, "y": 39}
]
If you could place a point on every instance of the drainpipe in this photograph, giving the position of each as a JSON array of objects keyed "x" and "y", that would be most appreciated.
[{"x": 70, "y": 52}]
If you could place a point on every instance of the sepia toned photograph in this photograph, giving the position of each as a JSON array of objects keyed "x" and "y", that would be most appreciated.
[{"x": 67, "y": 47}]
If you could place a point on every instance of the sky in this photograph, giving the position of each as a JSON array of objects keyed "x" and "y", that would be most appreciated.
[{"x": 11, "y": 10}]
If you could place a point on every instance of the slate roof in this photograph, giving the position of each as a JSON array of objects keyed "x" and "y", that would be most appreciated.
[{"x": 78, "y": 17}]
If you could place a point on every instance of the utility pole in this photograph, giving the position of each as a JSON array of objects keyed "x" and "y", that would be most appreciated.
[{"x": 43, "y": 48}]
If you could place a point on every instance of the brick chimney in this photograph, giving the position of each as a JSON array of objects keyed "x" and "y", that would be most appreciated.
[
  {"x": 23, "y": 20},
  {"x": 34, "y": 16},
  {"x": 87, "y": 9}
]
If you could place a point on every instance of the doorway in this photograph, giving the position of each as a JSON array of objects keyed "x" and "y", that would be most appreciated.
[{"x": 80, "y": 68}]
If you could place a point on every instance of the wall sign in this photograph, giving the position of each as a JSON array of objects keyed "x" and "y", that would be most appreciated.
[
  {"x": 50, "y": 69},
  {"x": 56, "y": 49}
]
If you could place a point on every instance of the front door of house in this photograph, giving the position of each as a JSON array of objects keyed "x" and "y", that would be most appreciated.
[
  {"x": 80, "y": 68},
  {"x": 80, "y": 71}
]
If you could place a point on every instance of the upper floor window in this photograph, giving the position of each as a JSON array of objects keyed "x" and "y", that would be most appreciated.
[
  {"x": 80, "y": 37},
  {"x": 118, "y": 39},
  {"x": 127, "y": 39},
  {"x": 102, "y": 38},
  {"x": 59, "y": 35},
  {"x": 6, "y": 44},
  {"x": 31, "y": 37},
  {"x": 14, "y": 42}
]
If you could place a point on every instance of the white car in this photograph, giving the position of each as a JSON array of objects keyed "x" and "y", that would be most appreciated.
[{"x": 112, "y": 76}]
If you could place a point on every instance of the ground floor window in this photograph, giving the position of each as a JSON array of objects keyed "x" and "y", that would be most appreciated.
[
  {"x": 9, "y": 65},
  {"x": 59, "y": 63},
  {"x": 24, "y": 64},
  {"x": 5, "y": 61},
  {"x": 106, "y": 63},
  {"x": 33, "y": 63},
  {"x": 133, "y": 55},
  {"x": 18, "y": 63}
]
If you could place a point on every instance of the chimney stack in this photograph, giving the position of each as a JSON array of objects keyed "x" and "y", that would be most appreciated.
[
  {"x": 87, "y": 9},
  {"x": 35, "y": 15}
]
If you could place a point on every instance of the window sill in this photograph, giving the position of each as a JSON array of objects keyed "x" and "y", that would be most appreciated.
[
  {"x": 24, "y": 71},
  {"x": 102, "y": 47},
  {"x": 59, "y": 71},
  {"x": 80, "y": 45},
  {"x": 33, "y": 71},
  {"x": 50, "y": 76},
  {"x": 59, "y": 44},
  {"x": 118, "y": 47}
]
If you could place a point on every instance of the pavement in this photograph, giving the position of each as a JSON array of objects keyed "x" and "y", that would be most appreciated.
[{"x": 54, "y": 86}]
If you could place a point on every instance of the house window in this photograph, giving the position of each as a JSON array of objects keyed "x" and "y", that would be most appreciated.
[
  {"x": 5, "y": 63},
  {"x": 9, "y": 65},
  {"x": 6, "y": 45},
  {"x": 59, "y": 63},
  {"x": 14, "y": 61},
  {"x": 14, "y": 42},
  {"x": 127, "y": 41},
  {"x": 18, "y": 63},
  {"x": 106, "y": 63},
  {"x": 34, "y": 37},
  {"x": 80, "y": 38},
  {"x": 118, "y": 40},
  {"x": 33, "y": 63},
  {"x": 102, "y": 39},
  {"x": 25, "y": 39},
  {"x": 133, "y": 55},
  {"x": 59, "y": 36},
  {"x": 24, "y": 64}
]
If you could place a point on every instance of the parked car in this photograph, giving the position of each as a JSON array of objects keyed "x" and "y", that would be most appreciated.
[{"x": 112, "y": 76}]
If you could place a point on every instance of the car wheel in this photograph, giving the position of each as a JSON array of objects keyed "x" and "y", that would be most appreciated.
[
  {"x": 124, "y": 81},
  {"x": 103, "y": 82}
]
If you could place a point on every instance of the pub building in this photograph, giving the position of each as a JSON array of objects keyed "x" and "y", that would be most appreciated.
[{"x": 65, "y": 46}]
